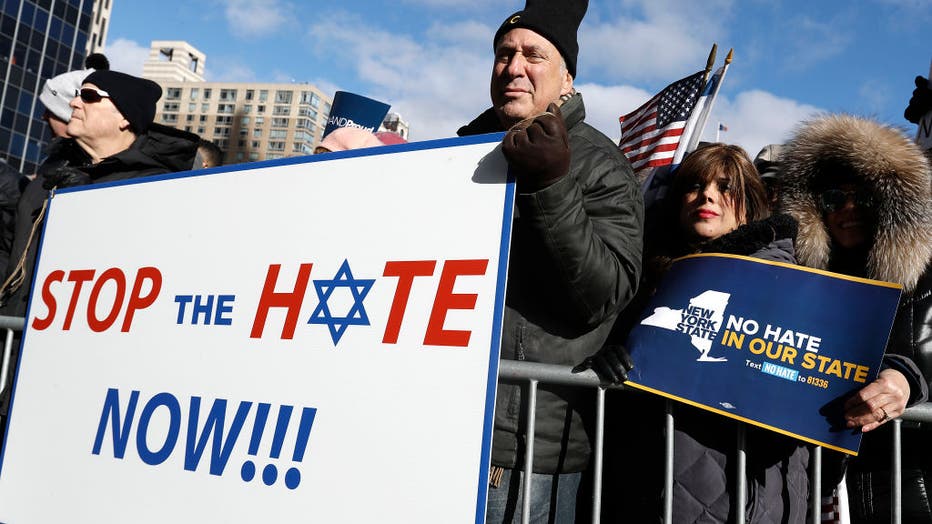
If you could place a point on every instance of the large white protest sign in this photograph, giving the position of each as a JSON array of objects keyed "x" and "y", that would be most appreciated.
[{"x": 309, "y": 340}]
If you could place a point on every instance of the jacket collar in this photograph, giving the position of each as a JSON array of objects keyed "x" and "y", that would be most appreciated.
[{"x": 574, "y": 112}]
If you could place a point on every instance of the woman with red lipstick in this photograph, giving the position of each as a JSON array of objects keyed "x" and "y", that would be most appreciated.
[
  {"x": 862, "y": 194},
  {"x": 717, "y": 203}
]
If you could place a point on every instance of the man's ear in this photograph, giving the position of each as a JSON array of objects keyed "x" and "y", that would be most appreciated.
[
  {"x": 125, "y": 125},
  {"x": 567, "y": 86}
]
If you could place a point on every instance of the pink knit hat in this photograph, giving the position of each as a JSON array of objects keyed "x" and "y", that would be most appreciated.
[{"x": 344, "y": 138}]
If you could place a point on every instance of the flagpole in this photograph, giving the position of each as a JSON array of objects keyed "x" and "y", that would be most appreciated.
[
  {"x": 710, "y": 101},
  {"x": 710, "y": 63},
  {"x": 718, "y": 133}
]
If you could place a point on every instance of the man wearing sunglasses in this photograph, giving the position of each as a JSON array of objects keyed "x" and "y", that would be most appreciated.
[{"x": 111, "y": 120}]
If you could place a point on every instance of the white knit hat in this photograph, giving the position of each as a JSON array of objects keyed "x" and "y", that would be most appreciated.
[{"x": 57, "y": 92}]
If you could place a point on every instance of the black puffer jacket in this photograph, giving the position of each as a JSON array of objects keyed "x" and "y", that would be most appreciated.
[
  {"x": 900, "y": 179},
  {"x": 575, "y": 261}
]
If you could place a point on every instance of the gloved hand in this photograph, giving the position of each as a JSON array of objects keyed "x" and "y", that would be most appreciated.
[
  {"x": 921, "y": 101},
  {"x": 538, "y": 150},
  {"x": 611, "y": 363},
  {"x": 65, "y": 176}
]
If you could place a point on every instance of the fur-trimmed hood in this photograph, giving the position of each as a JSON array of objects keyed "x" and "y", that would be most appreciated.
[{"x": 895, "y": 170}]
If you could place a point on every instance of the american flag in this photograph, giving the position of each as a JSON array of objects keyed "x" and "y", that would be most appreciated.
[{"x": 651, "y": 133}]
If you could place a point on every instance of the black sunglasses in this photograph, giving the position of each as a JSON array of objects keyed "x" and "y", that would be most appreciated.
[
  {"x": 834, "y": 199},
  {"x": 90, "y": 95}
]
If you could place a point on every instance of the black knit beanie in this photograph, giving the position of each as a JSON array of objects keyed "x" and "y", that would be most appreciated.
[
  {"x": 134, "y": 97},
  {"x": 555, "y": 20}
]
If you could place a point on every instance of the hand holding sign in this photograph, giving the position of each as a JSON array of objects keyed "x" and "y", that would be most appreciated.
[
  {"x": 921, "y": 101},
  {"x": 878, "y": 402}
]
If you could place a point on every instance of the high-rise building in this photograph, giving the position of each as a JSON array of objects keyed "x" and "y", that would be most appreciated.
[
  {"x": 249, "y": 121},
  {"x": 38, "y": 40}
]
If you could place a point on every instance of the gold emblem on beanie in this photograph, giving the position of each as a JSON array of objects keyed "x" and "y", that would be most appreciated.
[{"x": 514, "y": 19}]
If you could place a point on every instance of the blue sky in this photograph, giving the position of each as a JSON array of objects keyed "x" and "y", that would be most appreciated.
[{"x": 431, "y": 59}]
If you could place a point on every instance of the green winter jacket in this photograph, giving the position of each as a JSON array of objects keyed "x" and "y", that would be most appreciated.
[{"x": 575, "y": 262}]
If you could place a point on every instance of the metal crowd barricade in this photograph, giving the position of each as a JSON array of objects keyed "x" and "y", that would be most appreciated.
[{"x": 534, "y": 373}]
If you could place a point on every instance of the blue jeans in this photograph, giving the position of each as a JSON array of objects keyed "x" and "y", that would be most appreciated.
[{"x": 553, "y": 498}]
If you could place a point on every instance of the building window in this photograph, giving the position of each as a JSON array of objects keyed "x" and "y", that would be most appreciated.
[
  {"x": 173, "y": 93},
  {"x": 244, "y": 120},
  {"x": 250, "y": 93},
  {"x": 192, "y": 107},
  {"x": 192, "y": 63},
  {"x": 170, "y": 106},
  {"x": 243, "y": 132},
  {"x": 254, "y": 156},
  {"x": 165, "y": 54},
  {"x": 194, "y": 93},
  {"x": 308, "y": 112},
  {"x": 169, "y": 119},
  {"x": 278, "y": 133},
  {"x": 206, "y": 93},
  {"x": 224, "y": 120},
  {"x": 257, "y": 133},
  {"x": 276, "y": 145},
  {"x": 263, "y": 95},
  {"x": 187, "y": 128},
  {"x": 200, "y": 130},
  {"x": 221, "y": 131},
  {"x": 283, "y": 97},
  {"x": 279, "y": 122},
  {"x": 273, "y": 156},
  {"x": 226, "y": 108},
  {"x": 228, "y": 95},
  {"x": 260, "y": 109},
  {"x": 239, "y": 156},
  {"x": 281, "y": 110},
  {"x": 189, "y": 118},
  {"x": 315, "y": 100},
  {"x": 301, "y": 147},
  {"x": 260, "y": 120},
  {"x": 203, "y": 119},
  {"x": 205, "y": 107}
]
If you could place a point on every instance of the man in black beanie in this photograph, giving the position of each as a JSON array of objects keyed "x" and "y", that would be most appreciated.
[{"x": 575, "y": 257}]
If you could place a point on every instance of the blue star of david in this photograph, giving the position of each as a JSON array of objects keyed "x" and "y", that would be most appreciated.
[{"x": 356, "y": 316}]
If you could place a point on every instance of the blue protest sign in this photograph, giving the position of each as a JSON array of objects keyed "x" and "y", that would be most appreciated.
[
  {"x": 772, "y": 344},
  {"x": 352, "y": 110}
]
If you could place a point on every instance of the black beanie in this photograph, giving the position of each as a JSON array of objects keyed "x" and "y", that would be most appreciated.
[
  {"x": 135, "y": 97},
  {"x": 557, "y": 21}
]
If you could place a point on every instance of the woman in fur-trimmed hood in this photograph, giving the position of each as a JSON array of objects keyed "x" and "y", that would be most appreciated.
[{"x": 862, "y": 194}]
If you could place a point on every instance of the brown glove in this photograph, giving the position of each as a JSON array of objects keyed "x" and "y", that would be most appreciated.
[{"x": 538, "y": 150}]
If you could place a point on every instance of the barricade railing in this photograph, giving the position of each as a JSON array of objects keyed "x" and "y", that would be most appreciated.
[{"x": 532, "y": 374}]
